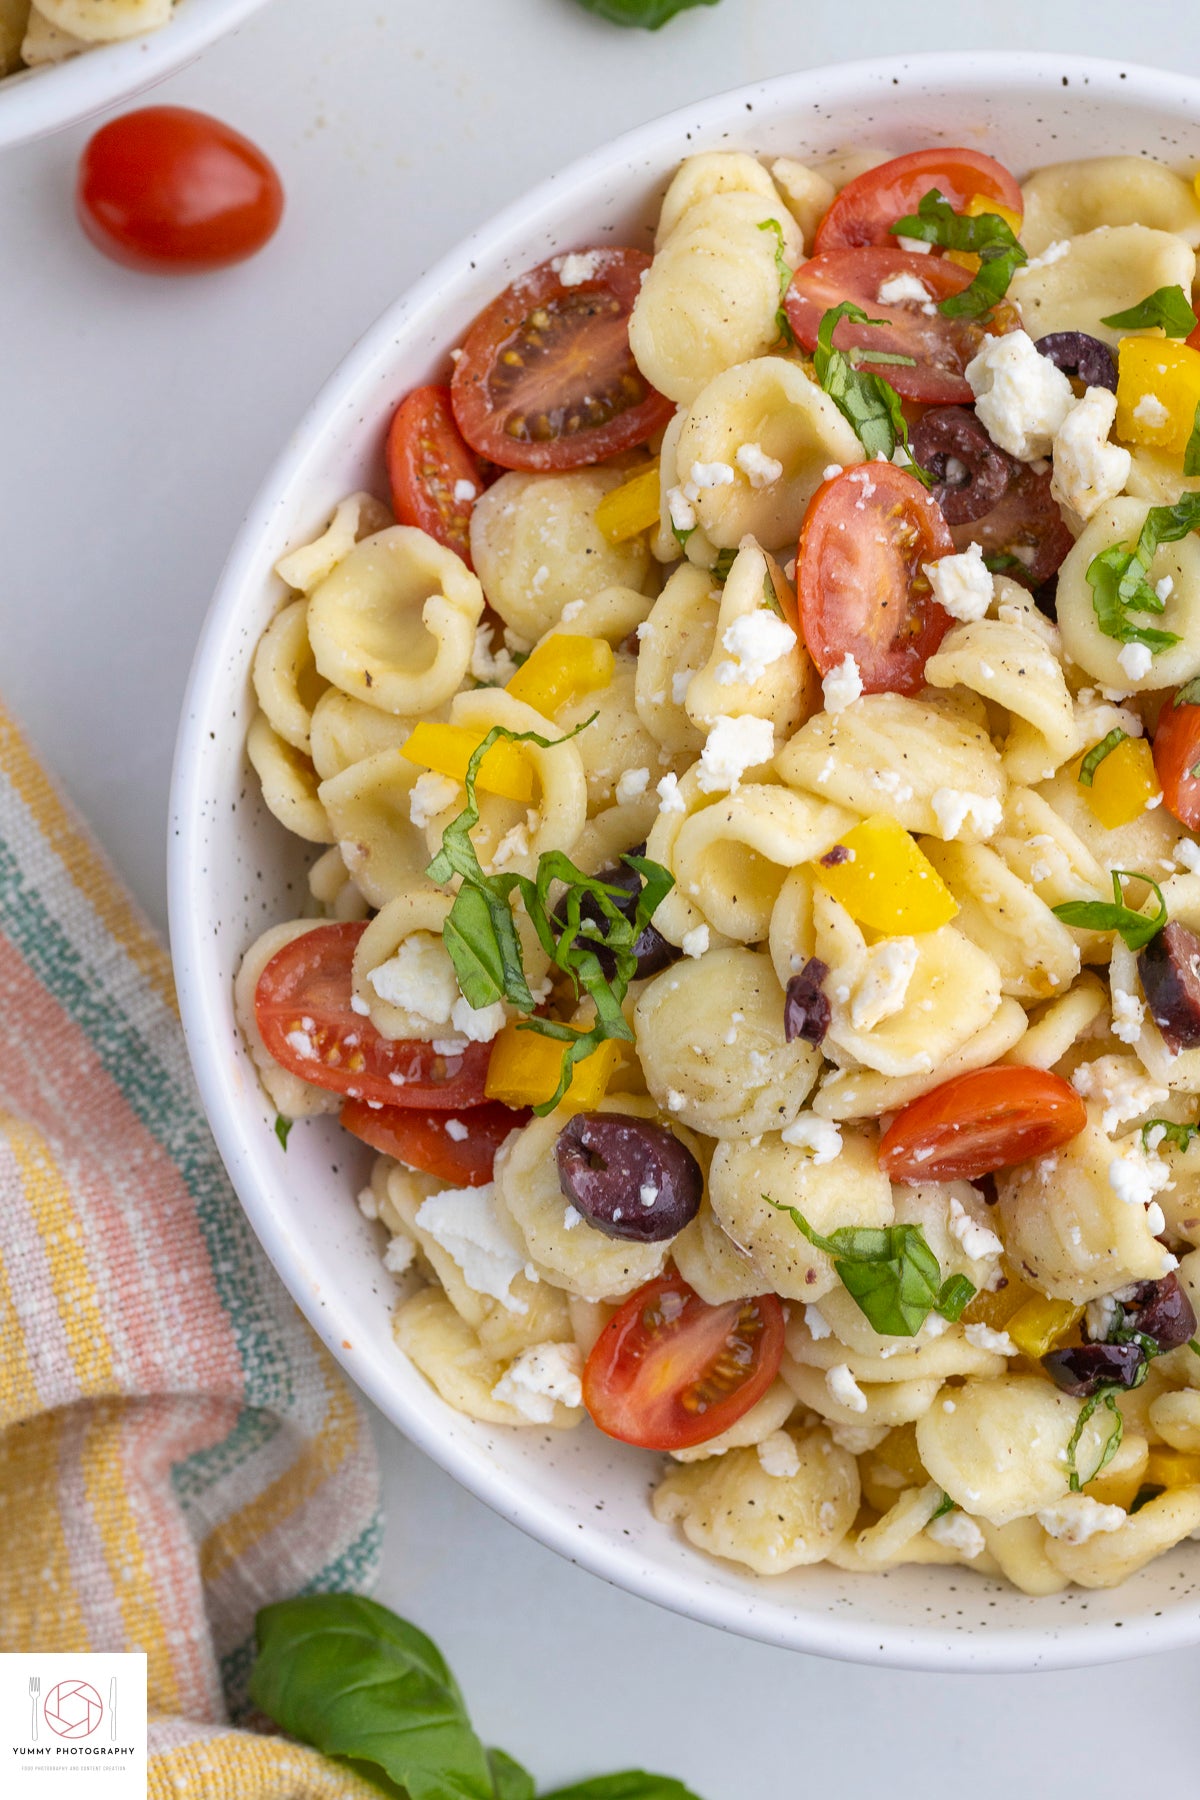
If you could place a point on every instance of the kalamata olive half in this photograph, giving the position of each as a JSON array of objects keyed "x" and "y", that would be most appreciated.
[
  {"x": 628, "y": 1177},
  {"x": 1161, "y": 1310},
  {"x": 970, "y": 472},
  {"x": 1024, "y": 534},
  {"x": 1082, "y": 357},
  {"x": 1169, "y": 968},
  {"x": 1082, "y": 1368},
  {"x": 806, "y": 1010},
  {"x": 651, "y": 949}
]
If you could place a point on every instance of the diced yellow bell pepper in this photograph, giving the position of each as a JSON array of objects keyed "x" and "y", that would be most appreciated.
[
  {"x": 1171, "y": 1468},
  {"x": 525, "y": 1067},
  {"x": 448, "y": 749},
  {"x": 626, "y": 511},
  {"x": 899, "y": 1451},
  {"x": 1123, "y": 1480},
  {"x": 1041, "y": 1323},
  {"x": 975, "y": 208},
  {"x": 885, "y": 881},
  {"x": 995, "y": 1307},
  {"x": 562, "y": 669},
  {"x": 1123, "y": 784},
  {"x": 1158, "y": 391}
]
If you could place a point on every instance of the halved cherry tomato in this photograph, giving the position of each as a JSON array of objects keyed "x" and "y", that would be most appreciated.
[
  {"x": 547, "y": 380},
  {"x": 982, "y": 1121},
  {"x": 302, "y": 1006},
  {"x": 430, "y": 468},
  {"x": 435, "y": 1141},
  {"x": 669, "y": 1371},
  {"x": 174, "y": 191},
  {"x": 1176, "y": 756},
  {"x": 1027, "y": 525},
  {"x": 868, "y": 205},
  {"x": 859, "y": 579},
  {"x": 940, "y": 347}
]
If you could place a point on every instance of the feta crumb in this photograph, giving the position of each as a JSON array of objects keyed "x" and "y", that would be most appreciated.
[
  {"x": 1165, "y": 588},
  {"x": 778, "y": 1456},
  {"x": 1135, "y": 660},
  {"x": 680, "y": 510},
  {"x": 733, "y": 746},
  {"x": 1021, "y": 398},
  {"x": 977, "y": 1241},
  {"x": 962, "y": 585},
  {"x": 914, "y": 246},
  {"x": 1137, "y": 1175},
  {"x": 1100, "y": 1316},
  {"x": 1121, "y": 1087},
  {"x": 675, "y": 1100},
  {"x": 419, "y": 978},
  {"x": 400, "y": 1254},
  {"x": 1079, "y": 1517},
  {"x": 704, "y": 476},
  {"x": 1088, "y": 470},
  {"x": 818, "y": 1325},
  {"x": 1051, "y": 254},
  {"x": 754, "y": 641},
  {"x": 1151, "y": 411},
  {"x": 632, "y": 785},
  {"x": 359, "y": 1005},
  {"x": 957, "y": 1532},
  {"x": 844, "y": 1389},
  {"x": 670, "y": 800},
  {"x": 466, "y": 1224},
  {"x": 760, "y": 469},
  {"x": 490, "y": 666},
  {"x": 808, "y": 1131},
  {"x": 828, "y": 473},
  {"x": 368, "y": 1205},
  {"x": 1128, "y": 1011},
  {"x": 431, "y": 794},
  {"x": 456, "y": 1131},
  {"x": 880, "y": 990},
  {"x": 695, "y": 942},
  {"x": 984, "y": 1338},
  {"x": 571, "y": 1217},
  {"x": 479, "y": 1025},
  {"x": 899, "y": 288},
  {"x": 1187, "y": 852},
  {"x": 953, "y": 807},
  {"x": 465, "y": 491},
  {"x": 541, "y": 1377},
  {"x": 842, "y": 686},
  {"x": 579, "y": 266},
  {"x": 681, "y": 681}
]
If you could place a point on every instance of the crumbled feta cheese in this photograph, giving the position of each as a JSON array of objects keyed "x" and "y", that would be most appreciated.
[
  {"x": 675, "y": 1100},
  {"x": 515, "y": 842},
  {"x": 579, "y": 266},
  {"x": 818, "y": 1325},
  {"x": 844, "y": 1389},
  {"x": 465, "y": 491},
  {"x": 681, "y": 681},
  {"x": 571, "y": 1218},
  {"x": 670, "y": 800},
  {"x": 1021, "y": 398},
  {"x": 709, "y": 475},
  {"x": 431, "y": 794},
  {"x": 487, "y": 665},
  {"x": 1051, "y": 254},
  {"x": 1135, "y": 660},
  {"x": 368, "y": 1205},
  {"x": 1088, "y": 470},
  {"x": 632, "y": 785},
  {"x": 880, "y": 990},
  {"x": 300, "y": 1041},
  {"x": 754, "y": 641},
  {"x": 957, "y": 1532},
  {"x": 456, "y": 1131},
  {"x": 1100, "y": 1316},
  {"x": 1121, "y": 1086},
  {"x": 759, "y": 469},
  {"x": 541, "y": 1377},
  {"x": 828, "y": 473},
  {"x": 778, "y": 1456},
  {"x": 899, "y": 288},
  {"x": 962, "y": 585},
  {"x": 808, "y": 1131},
  {"x": 400, "y": 1254},
  {"x": 680, "y": 510},
  {"x": 953, "y": 807},
  {"x": 1165, "y": 588},
  {"x": 479, "y": 1024},
  {"x": 1187, "y": 852},
  {"x": 977, "y": 1241},
  {"x": 1079, "y": 1517},
  {"x": 914, "y": 246},
  {"x": 842, "y": 686},
  {"x": 984, "y": 1338},
  {"x": 466, "y": 1224},
  {"x": 1128, "y": 1011},
  {"x": 733, "y": 746},
  {"x": 858, "y": 1439},
  {"x": 1137, "y": 1175},
  {"x": 419, "y": 978},
  {"x": 359, "y": 1005},
  {"x": 1151, "y": 411},
  {"x": 695, "y": 942},
  {"x": 570, "y": 611}
]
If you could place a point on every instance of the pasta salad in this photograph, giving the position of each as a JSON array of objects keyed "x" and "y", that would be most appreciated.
[
  {"x": 753, "y": 772},
  {"x": 34, "y": 33}
]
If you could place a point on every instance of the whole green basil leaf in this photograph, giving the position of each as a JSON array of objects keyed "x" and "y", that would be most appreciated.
[
  {"x": 1104, "y": 915},
  {"x": 510, "y": 1780},
  {"x": 651, "y": 15},
  {"x": 1168, "y": 307},
  {"x": 632, "y": 1784},
  {"x": 890, "y": 1273},
  {"x": 346, "y": 1675},
  {"x": 987, "y": 236}
]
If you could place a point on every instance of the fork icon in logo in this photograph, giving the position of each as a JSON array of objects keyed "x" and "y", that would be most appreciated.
[{"x": 35, "y": 1688}]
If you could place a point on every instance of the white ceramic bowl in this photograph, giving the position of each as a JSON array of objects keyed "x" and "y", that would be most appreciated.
[
  {"x": 39, "y": 101},
  {"x": 234, "y": 871}
]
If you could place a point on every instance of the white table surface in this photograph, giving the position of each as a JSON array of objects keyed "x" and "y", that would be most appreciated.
[{"x": 136, "y": 418}]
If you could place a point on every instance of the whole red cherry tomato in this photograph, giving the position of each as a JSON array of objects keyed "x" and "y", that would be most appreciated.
[{"x": 174, "y": 192}]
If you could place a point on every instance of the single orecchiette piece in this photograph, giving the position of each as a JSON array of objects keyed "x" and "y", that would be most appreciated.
[
  {"x": 289, "y": 783},
  {"x": 285, "y": 677},
  {"x": 367, "y": 806},
  {"x": 1158, "y": 477},
  {"x": 1057, "y": 1026},
  {"x": 1019, "y": 1549},
  {"x": 776, "y": 432},
  {"x": 1100, "y": 273},
  {"x": 616, "y": 743},
  {"x": 293, "y": 1098},
  {"x": 731, "y": 859},
  {"x": 757, "y": 666},
  {"x": 332, "y": 887},
  {"x": 1011, "y": 666},
  {"x": 346, "y": 731},
  {"x": 711, "y": 1042},
  {"x": 1115, "y": 524},
  {"x": 887, "y": 753},
  {"x": 675, "y": 642},
  {"x": 1070, "y": 197},
  {"x": 879, "y": 1407},
  {"x": 1176, "y": 1418},
  {"x": 849, "y": 1190},
  {"x": 709, "y": 1261},
  {"x": 537, "y": 546},
  {"x": 1034, "y": 952},
  {"x": 1112, "y": 1557},
  {"x": 928, "y": 1357},
  {"x": 712, "y": 172},
  {"x": 612, "y": 613},
  {"x": 359, "y": 516},
  {"x": 731, "y": 1507},
  {"x": 1043, "y": 850},
  {"x": 677, "y": 914},
  {"x": 394, "y": 624},
  {"x": 102, "y": 21},
  {"x": 865, "y": 1093},
  {"x": 449, "y": 1354},
  {"x": 808, "y": 193},
  {"x": 711, "y": 295},
  {"x": 417, "y": 910},
  {"x": 792, "y": 937}
]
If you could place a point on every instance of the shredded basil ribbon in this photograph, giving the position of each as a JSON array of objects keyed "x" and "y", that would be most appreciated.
[
  {"x": 947, "y": 1506},
  {"x": 1097, "y": 754},
  {"x": 890, "y": 1272},
  {"x": 480, "y": 932},
  {"x": 1108, "y": 1397},
  {"x": 869, "y": 403},
  {"x": 1103, "y": 915},
  {"x": 783, "y": 323},
  {"x": 1167, "y": 307},
  {"x": 1179, "y": 1136},
  {"x": 1118, "y": 577},
  {"x": 989, "y": 237},
  {"x": 283, "y": 1128},
  {"x": 1191, "y": 454}
]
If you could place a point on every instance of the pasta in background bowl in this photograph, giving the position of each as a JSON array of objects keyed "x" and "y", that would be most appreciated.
[
  {"x": 233, "y": 874},
  {"x": 118, "y": 48}
]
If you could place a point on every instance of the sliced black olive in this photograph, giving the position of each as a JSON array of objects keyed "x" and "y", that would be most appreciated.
[
  {"x": 1082, "y": 357},
  {"x": 1169, "y": 968},
  {"x": 1024, "y": 536},
  {"x": 1161, "y": 1310},
  {"x": 1083, "y": 1368},
  {"x": 628, "y": 1177},
  {"x": 651, "y": 949},
  {"x": 806, "y": 1011},
  {"x": 970, "y": 472}
]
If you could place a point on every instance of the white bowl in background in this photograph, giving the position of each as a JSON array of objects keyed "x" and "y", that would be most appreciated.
[
  {"x": 234, "y": 871},
  {"x": 35, "y": 102}
]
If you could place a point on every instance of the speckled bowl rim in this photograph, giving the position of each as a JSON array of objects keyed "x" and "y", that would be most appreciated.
[
  {"x": 1045, "y": 1642},
  {"x": 36, "y": 102}
]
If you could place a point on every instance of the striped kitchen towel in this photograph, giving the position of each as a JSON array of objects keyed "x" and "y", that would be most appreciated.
[{"x": 176, "y": 1448}]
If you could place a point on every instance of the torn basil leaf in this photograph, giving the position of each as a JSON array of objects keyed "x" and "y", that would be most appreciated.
[
  {"x": 989, "y": 237},
  {"x": 1167, "y": 307},
  {"x": 868, "y": 402},
  {"x": 651, "y": 15},
  {"x": 1104, "y": 915},
  {"x": 283, "y": 1128},
  {"x": 1191, "y": 454},
  {"x": 1106, "y": 1396},
  {"x": 947, "y": 1506},
  {"x": 785, "y": 272},
  {"x": 1097, "y": 754},
  {"x": 1119, "y": 577},
  {"x": 890, "y": 1272}
]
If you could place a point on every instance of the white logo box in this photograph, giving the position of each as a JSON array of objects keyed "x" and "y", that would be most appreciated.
[{"x": 72, "y": 1725}]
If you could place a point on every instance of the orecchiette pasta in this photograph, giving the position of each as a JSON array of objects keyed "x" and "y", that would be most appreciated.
[
  {"x": 1071, "y": 197},
  {"x": 1100, "y": 273},
  {"x": 289, "y": 783},
  {"x": 1119, "y": 522}
]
